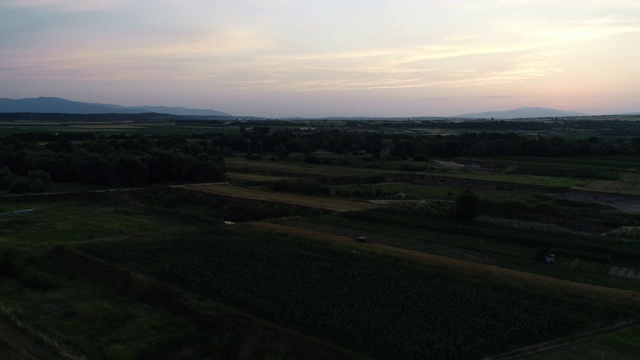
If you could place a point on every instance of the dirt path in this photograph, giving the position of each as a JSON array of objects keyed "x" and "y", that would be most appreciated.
[
  {"x": 16, "y": 345},
  {"x": 620, "y": 296}
]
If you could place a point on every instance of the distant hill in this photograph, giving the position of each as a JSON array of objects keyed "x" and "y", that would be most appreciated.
[
  {"x": 523, "y": 112},
  {"x": 58, "y": 105}
]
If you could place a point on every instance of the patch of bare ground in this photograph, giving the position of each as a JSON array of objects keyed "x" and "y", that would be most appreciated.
[{"x": 473, "y": 269}]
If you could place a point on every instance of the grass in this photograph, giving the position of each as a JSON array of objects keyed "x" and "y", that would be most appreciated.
[
  {"x": 621, "y": 344},
  {"x": 66, "y": 219},
  {"x": 93, "y": 321}
]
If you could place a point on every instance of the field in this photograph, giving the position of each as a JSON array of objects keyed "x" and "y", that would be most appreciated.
[
  {"x": 292, "y": 199},
  {"x": 324, "y": 244}
]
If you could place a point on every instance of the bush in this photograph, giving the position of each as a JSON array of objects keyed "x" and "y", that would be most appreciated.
[
  {"x": 19, "y": 186},
  {"x": 467, "y": 205}
]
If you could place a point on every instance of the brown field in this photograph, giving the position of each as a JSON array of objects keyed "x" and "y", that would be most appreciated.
[{"x": 318, "y": 202}]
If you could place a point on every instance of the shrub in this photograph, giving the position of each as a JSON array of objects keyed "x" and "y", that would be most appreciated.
[{"x": 466, "y": 205}]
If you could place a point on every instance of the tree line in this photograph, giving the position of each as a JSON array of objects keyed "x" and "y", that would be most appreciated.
[
  {"x": 29, "y": 165},
  {"x": 138, "y": 160},
  {"x": 260, "y": 139}
]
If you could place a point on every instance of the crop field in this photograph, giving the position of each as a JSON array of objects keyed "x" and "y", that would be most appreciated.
[
  {"x": 619, "y": 296},
  {"x": 371, "y": 297},
  {"x": 151, "y": 236}
]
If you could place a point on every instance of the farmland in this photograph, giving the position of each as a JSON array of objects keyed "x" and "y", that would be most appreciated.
[{"x": 242, "y": 235}]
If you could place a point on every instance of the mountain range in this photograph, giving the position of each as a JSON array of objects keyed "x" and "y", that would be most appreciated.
[
  {"x": 58, "y": 105},
  {"x": 523, "y": 112},
  {"x": 63, "y": 106}
]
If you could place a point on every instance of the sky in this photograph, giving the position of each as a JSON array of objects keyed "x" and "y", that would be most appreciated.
[{"x": 321, "y": 58}]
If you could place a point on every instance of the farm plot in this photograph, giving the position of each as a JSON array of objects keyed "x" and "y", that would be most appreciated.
[
  {"x": 323, "y": 203},
  {"x": 381, "y": 305},
  {"x": 544, "y": 282}
]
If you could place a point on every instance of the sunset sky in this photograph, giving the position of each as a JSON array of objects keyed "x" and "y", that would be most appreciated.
[{"x": 280, "y": 58}]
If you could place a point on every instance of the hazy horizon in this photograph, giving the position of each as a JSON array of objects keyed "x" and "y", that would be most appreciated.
[{"x": 286, "y": 58}]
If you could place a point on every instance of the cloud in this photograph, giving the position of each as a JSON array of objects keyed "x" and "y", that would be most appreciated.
[{"x": 66, "y": 5}]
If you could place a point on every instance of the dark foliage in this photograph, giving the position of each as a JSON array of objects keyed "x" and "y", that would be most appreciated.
[{"x": 467, "y": 205}]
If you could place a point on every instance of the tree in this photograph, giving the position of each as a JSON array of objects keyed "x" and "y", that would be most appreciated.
[{"x": 467, "y": 205}]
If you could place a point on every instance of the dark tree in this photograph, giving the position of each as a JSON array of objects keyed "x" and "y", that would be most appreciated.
[{"x": 467, "y": 205}]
